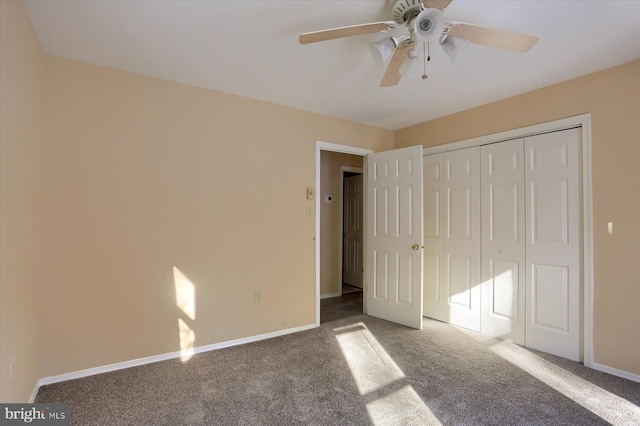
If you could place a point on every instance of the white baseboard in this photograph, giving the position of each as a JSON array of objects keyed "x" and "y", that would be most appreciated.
[
  {"x": 36, "y": 388},
  {"x": 616, "y": 372},
  {"x": 328, "y": 295},
  {"x": 162, "y": 357}
]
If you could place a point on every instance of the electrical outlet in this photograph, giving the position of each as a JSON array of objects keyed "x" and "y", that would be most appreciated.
[
  {"x": 12, "y": 367},
  {"x": 257, "y": 298}
]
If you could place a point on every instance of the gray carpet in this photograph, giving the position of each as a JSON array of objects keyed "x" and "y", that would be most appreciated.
[{"x": 356, "y": 371}]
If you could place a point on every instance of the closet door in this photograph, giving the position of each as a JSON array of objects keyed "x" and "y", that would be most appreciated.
[
  {"x": 436, "y": 304},
  {"x": 553, "y": 281},
  {"x": 503, "y": 240},
  {"x": 462, "y": 236}
]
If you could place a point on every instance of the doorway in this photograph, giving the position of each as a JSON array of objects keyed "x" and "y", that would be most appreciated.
[
  {"x": 341, "y": 235},
  {"x": 333, "y": 163},
  {"x": 350, "y": 238}
]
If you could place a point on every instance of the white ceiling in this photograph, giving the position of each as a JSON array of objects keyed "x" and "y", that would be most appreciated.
[{"x": 250, "y": 48}]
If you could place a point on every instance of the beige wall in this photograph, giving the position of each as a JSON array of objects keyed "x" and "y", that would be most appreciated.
[
  {"x": 21, "y": 100},
  {"x": 613, "y": 99},
  {"x": 330, "y": 223},
  {"x": 143, "y": 175}
]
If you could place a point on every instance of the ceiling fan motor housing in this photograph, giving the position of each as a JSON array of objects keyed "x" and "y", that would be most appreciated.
[{"x": 404, "y": 11}]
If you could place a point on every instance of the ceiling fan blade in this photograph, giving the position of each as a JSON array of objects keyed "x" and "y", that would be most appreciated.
[
  {"x": 515, "y": 42},
  {"x": 353, "y": 30},
  {"x": 392, "y": 74},
  {"x": 436, "y": 4}
]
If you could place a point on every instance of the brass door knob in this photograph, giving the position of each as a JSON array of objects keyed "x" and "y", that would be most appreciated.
[{"x": 416, "y": 247}]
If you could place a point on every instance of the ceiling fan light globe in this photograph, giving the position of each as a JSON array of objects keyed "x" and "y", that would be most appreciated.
[
  {"x": 454, "y": 46},
  {"x": 428, "y": 25},
  {"x": 383, "y": 49}
]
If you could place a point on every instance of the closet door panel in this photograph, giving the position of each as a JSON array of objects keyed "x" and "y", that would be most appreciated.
[
  {"x": 553, "y": 280},
  {"x": 503, "y": 240},
  {"x": 460, "y": 280},
  {"x": 435, "y": 304},
  {"x": 462, "y": 236}
]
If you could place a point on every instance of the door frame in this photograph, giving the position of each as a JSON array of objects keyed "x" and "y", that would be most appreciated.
[
  {"x": 348, "y": 169},
  {"x": 584, "y": 122},
  {"x": 345, "y": 149}
]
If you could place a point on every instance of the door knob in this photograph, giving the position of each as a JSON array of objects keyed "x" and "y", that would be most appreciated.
[{"x": 415, "y": 246}]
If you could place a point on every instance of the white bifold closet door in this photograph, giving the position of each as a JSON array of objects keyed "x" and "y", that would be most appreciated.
[
  {"x": 435, "y": 303},
  {"x": 554, "y": 238},
  {"x": 462, "y": 237},
  {"x": 503, "y": 240},
  {"x": 452, "y": 237},
  {"x": 531, "y": 277}
]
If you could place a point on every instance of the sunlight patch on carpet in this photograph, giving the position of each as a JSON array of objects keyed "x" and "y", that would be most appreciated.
[
  {"x": 601, "y": 402},
  {"x": 373, "y": 369},
  {"x": 403, "y": 407},
  {"x": 371, "y": 366}
]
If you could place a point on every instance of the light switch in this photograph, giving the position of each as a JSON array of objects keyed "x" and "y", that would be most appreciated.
[
  {"x": 610, "y": 227},
  {"x": 310, "y": 193}
]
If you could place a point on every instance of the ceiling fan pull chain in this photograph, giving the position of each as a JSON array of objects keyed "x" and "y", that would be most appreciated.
[{"x": 425, "y": 59}]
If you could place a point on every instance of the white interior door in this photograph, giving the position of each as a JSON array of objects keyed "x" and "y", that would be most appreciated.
[
  {"x": 352, "y": 218},
  {"x": 394, "y": 236},
  {"x": 554, "y": 307},
  {"x": 436, "y": 304},
  {"x": 462, "y": 236},
  {"x": 503, "y": 240}
]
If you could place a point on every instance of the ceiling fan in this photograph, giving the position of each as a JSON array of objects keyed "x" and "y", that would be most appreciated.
[{"x": 425, "y": 23}]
